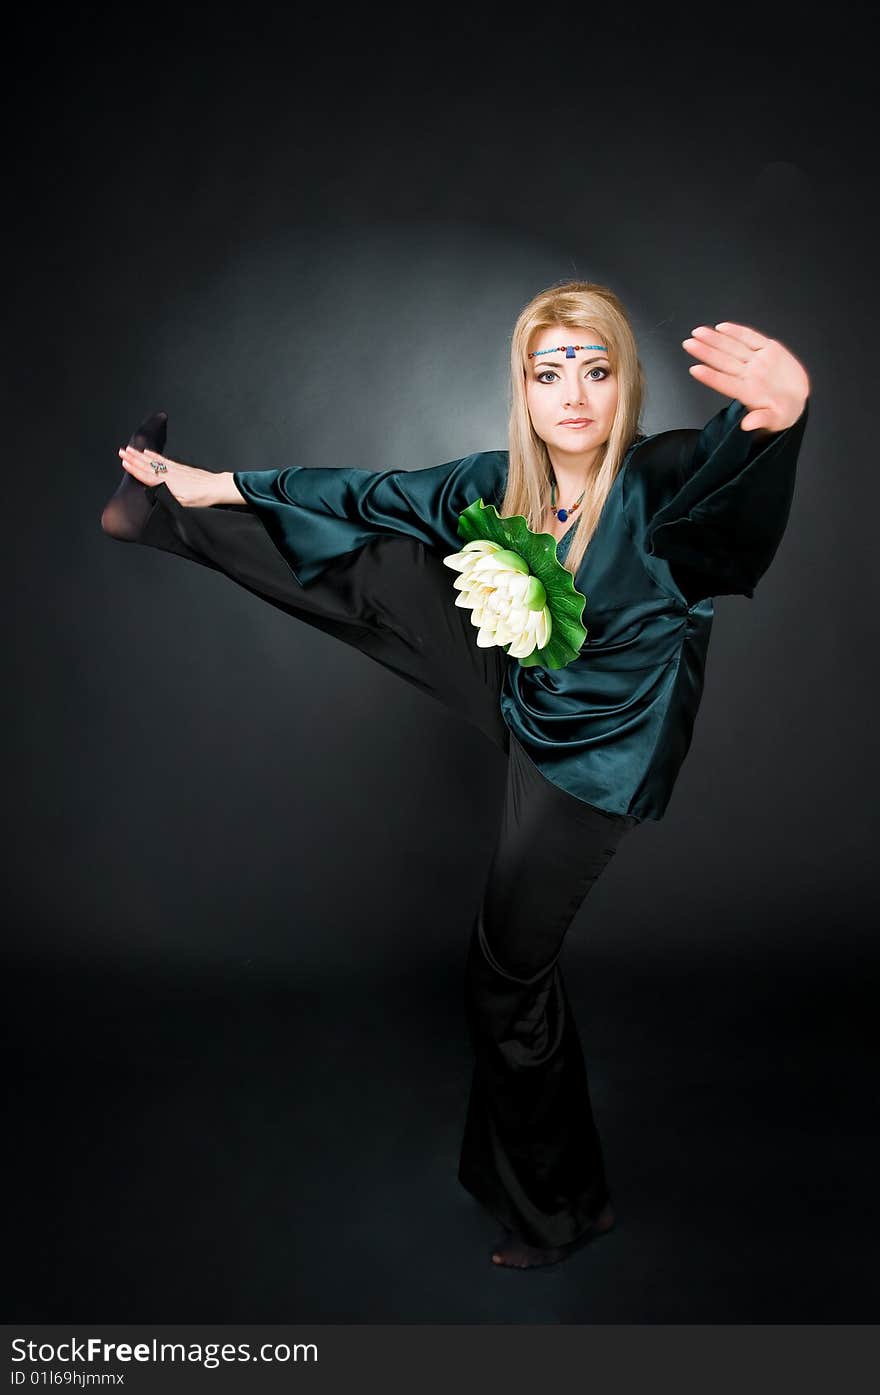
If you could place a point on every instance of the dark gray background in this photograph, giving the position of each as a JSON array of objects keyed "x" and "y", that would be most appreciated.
[{"x": 242, "y": 857}]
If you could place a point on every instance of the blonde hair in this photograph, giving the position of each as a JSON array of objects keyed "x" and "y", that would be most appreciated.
[{"x": 577, "y": 305}]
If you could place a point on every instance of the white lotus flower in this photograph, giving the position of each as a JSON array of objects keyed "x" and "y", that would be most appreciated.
[{"x": 509, "y": 605}]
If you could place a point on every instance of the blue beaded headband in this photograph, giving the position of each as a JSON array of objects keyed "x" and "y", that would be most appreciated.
[{"x": 569, "y": 349}]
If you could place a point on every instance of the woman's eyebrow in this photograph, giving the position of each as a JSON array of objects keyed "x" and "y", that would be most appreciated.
[{"x": 554, "y": 363}]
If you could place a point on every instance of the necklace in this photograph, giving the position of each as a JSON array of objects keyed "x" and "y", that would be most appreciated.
[{"x": 563, "y": 514}]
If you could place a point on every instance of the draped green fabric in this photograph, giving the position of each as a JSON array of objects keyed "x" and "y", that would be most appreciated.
[
  {"x": 316, "y": 515},
  {"x": 692, "y": 514}
]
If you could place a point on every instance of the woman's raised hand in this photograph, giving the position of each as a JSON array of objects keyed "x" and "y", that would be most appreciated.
[
  {"x": 759, "y": 372},
  {"x": 192, "y": 487}
]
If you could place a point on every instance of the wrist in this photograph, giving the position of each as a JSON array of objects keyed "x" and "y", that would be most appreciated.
[{"x": 226, "y": 491}]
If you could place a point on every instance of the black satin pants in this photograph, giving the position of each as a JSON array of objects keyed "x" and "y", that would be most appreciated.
[{"x": 530, "y": 1152}]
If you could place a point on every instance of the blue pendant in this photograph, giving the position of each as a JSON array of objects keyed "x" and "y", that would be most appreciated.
[{"x": 562, "y": 515}]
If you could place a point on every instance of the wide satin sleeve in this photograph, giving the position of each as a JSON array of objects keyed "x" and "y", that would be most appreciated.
[
  {"x": 716, "y": 502},
  {"x": 314, "y": 515}
]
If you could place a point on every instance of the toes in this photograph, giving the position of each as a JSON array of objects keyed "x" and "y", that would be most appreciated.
[
  {"x": 528, "y": 1256},
  {"x": 510, "y": 1259}
]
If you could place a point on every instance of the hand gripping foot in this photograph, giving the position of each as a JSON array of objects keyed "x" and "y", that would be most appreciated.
[{"x": 126, "y": 512}]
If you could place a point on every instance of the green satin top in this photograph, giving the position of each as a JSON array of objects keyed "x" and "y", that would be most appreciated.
[{"x": 691, "y": 514}]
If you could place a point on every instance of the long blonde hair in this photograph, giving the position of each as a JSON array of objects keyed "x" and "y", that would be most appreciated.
[{"x": 577, "y": 305}]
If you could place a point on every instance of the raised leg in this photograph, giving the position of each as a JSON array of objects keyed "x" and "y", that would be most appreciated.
[{"x": 392, "y": 599}]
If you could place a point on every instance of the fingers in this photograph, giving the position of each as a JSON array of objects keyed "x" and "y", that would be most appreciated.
[
  {"x": 750, "y": 338},
  {"x": 730, "y": 384},
  {"x": 737, "y": 343},
  {"x": 164, "y": 460},
  {"x": 137, "y": 463},
  {"x": 714, "y": 354},
  {"x": 729, "y": 348}
]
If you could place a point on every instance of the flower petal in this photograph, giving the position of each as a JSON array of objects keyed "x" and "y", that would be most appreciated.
[
  {"x": 457, "y": 561},
  {"x": 517, "y": 584},
  {"x": 482, "y": 545},
  {"x": 518, "y": 617},
  {"x": 535, "y": 597},
  {"x": 522, "y": 647}
]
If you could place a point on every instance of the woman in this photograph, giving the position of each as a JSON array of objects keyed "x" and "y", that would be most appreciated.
[{"x": 661, "y": 524}]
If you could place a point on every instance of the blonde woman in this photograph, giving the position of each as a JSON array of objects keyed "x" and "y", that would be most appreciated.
[{"x": 650, "y": 528}]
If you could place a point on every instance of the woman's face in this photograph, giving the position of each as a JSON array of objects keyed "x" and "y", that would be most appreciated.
[{"x": 560, "y": 389}]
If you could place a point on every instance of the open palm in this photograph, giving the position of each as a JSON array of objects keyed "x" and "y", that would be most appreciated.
[{"x": 761, "y": 373}]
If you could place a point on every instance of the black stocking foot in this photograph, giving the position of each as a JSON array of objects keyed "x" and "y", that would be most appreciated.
[
  {"x": 515, "y": 1253},
  {"x": 126, "y": 511}
]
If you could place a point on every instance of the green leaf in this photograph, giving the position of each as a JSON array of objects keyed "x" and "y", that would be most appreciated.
[{"x": 538, "y": 551}]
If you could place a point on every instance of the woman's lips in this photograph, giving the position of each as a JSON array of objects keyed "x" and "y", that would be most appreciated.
[{"x": 576, "y": 425}]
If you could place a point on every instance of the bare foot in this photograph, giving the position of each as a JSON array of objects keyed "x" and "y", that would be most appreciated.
[
  {"x": 126, "y": 511},
  {"x": 516, "y": 1253}
]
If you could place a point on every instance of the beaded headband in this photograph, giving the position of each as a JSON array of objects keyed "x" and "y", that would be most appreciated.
[{"x": 569, "y": 349}]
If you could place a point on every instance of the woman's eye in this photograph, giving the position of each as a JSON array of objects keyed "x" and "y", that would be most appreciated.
[{"x": 548, "y": 374}]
